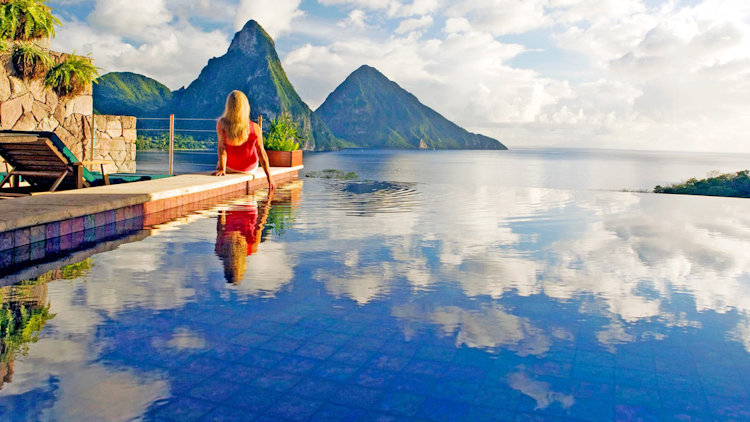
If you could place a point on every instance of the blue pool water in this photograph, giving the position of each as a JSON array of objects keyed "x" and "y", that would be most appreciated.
[{"x": 401, "y": 300}]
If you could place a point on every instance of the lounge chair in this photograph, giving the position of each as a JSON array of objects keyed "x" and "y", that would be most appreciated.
[{"x": 44, "y": 161}]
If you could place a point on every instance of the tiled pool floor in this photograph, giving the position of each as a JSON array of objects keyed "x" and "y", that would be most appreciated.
[{"x": 530, "y": 305}]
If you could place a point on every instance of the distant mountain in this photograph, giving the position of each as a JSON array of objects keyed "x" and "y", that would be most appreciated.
[
  {"x": 250, "y": 65},
  {"x": 371, "y": 111},
  {"x": 122, "y": 93}
]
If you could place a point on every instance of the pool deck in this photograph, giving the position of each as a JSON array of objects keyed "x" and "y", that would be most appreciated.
[{"x": 35, "y": 226}]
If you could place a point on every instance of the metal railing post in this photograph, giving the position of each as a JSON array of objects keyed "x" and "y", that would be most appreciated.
[
  {"x": 93, "y": 135},
  {"x": 171, "y": 144}
]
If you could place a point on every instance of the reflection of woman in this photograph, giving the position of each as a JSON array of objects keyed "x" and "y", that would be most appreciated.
[
  {"x": 240, "y": 140},
  {"x": 238, "y": 234}
]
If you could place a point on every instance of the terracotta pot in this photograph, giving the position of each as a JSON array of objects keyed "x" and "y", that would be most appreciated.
[{"x": 285, "y": 158}]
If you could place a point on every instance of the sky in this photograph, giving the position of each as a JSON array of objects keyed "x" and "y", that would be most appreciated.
[{"x": 626, "y": 74}]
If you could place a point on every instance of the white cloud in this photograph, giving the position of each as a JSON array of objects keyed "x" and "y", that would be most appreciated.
[
  {"x": 408, "y": 25},
  {"x": 275, "y": 16}
]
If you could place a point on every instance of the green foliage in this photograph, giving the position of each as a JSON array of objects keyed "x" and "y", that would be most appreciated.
[
  {"x": 729, "y": 184},
  {"x": 20, "y": 325},
  {"x": 24, "y": 20},
  {"x": 181, "y": 142},
  {"x": 30, "y": 61},
  {"x": 282, "y": 134},
  {"x": 3, "y": 46},
  {"x": 72, "y": 75},
  {"x": 333, "y": 174}
]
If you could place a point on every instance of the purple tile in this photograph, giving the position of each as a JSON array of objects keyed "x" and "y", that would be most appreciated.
[
  {"x": 66, "y": 242},
  {"x": 6, "y": 258},
  {"x": 21, "y": 254},
  {"x": 52, "y": 246},
  {"x": 100, "y": 219},
  {"x": 78, "y": 224},
  {"x": 110, "y": 217},
  {"x": 6, "y": 240},
  {"x": 52, "y": 229},
  {"x": 89, "y": 221},
  {"x": 20, "y": 237},
  {"x": 76, "y": 239},
  {"x": 66, "y": 227},
  {"x": 36, "y": 233}
]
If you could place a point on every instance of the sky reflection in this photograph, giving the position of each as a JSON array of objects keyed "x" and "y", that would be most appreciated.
[{"x": 553, "y": 289}]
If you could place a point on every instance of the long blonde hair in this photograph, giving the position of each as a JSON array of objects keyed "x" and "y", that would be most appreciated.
[{"x": 236, "y": 118}]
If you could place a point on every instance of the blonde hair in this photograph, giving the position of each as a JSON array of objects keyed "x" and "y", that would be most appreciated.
[
  {"x": 236, "y": 118},
  {"x": 233, "y": 253}
]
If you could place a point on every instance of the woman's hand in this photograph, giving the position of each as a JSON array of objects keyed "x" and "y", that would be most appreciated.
[
  {"x": 220, "y": 172},
  {"x": 271, "y": 184}
]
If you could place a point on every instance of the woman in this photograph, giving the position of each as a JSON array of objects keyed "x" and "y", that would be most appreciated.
[{"x": 240, "y": 140}]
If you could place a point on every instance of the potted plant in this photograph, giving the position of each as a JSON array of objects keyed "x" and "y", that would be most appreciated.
[
  {"x": 30, "y": 61},
  {"x": 26, "y": 20},
  {"x": 282, "y": 142},
  {"x": 72, "y": 75}
]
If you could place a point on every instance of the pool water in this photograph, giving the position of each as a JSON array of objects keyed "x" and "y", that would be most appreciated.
[{"x": 360, "y": 300}]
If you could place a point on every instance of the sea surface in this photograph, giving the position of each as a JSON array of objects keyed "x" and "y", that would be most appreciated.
[
  {"x": 576, "y": 169},
  {"x": 440, "y": 286}
]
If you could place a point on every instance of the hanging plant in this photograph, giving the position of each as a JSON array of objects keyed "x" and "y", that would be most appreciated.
[
  {"x": 25, "y": 20},
  {"x": 30, "y": 61},
  {"x": 72, "y": 75}
]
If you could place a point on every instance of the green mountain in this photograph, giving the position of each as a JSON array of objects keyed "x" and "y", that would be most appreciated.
[
  {"x": 122, "y": 93},
  {"x": 371, "y": 111},
  {"x": 250, "y": 65}
]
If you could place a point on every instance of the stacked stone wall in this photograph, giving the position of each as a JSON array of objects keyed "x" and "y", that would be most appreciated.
[{"x": 30, "y": 105}]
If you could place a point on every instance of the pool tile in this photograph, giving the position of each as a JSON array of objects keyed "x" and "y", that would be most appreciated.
[
  {"x": 21, "y": 237},
  {"x": 399, "y": 348},
  {"x": 354, "y": 395},
  {"x": 249, "y": 339},
  {"x": 424, "y": 367},
  {"x": 389, "y": 362},
  {"x": 315, "y": 350},
  {"x": 472, "y": 357},
  {"x": 298, "y": 365},
  {"x": 261, "y": 358},
  {"x": 624, "y": 412},
  {"x": 182, "y": 409},
  {"x": 294, "y": 408},
  {"x": 648, "y": 397},
  {"x": 351, "y": 357},
  {"x": 436, "y": 353},
  {"x": 591, "y": 389},
  {"x": 227, "y": 414},
  {"x": 459, "y": 391},
  {"x": 316, "y": 388},
  {"x": 214, "y": 390},
  {"x": 374, "y": 378},
  {"x": 442, "y": 410},
  {"x": 37, "y": 250},
  {"x": 414, "y": 384},
  {"x": 6, "y": 258},
  {"x": 240, "y": 373},
  {"x": 276, "y": 380},
  {"x": 6, "y": 240},
  {"x": 591, "y": 410},
  {"x": 202, "y": 366},
  {"x": 594, "y": 373},
  {"x": 403, "y": 404},
  {"x": 280, "y": 344},
  {"x": 335, "y": 371},
  {"x": 252, "y": 399},
  {"x": 37, "y": 234},
  {"x": 21, "y": 254},
  {"x": 335, "y": 413}
]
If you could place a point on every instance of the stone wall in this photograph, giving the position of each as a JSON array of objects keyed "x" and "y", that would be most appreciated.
[{"x": 30, "y": 105}]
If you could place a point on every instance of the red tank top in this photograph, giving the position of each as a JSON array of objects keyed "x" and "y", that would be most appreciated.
[{"x": 243, "y": 157}]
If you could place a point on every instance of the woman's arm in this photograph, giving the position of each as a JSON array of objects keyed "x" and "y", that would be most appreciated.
[
  {"x": 262, "y": 221},
  {"x": 263, "y": 157},
  {"x": 221, "y": 150}
]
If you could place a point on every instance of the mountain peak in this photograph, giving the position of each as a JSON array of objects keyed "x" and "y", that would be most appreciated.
[
  {"x": 368, "y": 71},
  {"x": 251, "y": 39}
]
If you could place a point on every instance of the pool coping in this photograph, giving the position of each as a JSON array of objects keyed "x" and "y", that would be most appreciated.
[{"x": 19, "y": 217}]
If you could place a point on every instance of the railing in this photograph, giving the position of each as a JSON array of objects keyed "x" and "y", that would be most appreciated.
[{"x": 172, "y": 129}]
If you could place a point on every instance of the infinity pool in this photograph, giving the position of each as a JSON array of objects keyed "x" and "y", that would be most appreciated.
[{"x": 339, "y": 300}]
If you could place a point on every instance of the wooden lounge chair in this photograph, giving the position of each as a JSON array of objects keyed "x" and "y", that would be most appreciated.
[{"x": 44, "y": 161}]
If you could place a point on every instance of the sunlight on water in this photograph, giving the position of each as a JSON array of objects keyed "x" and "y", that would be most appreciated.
[{"x": 341, "y": 300}]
